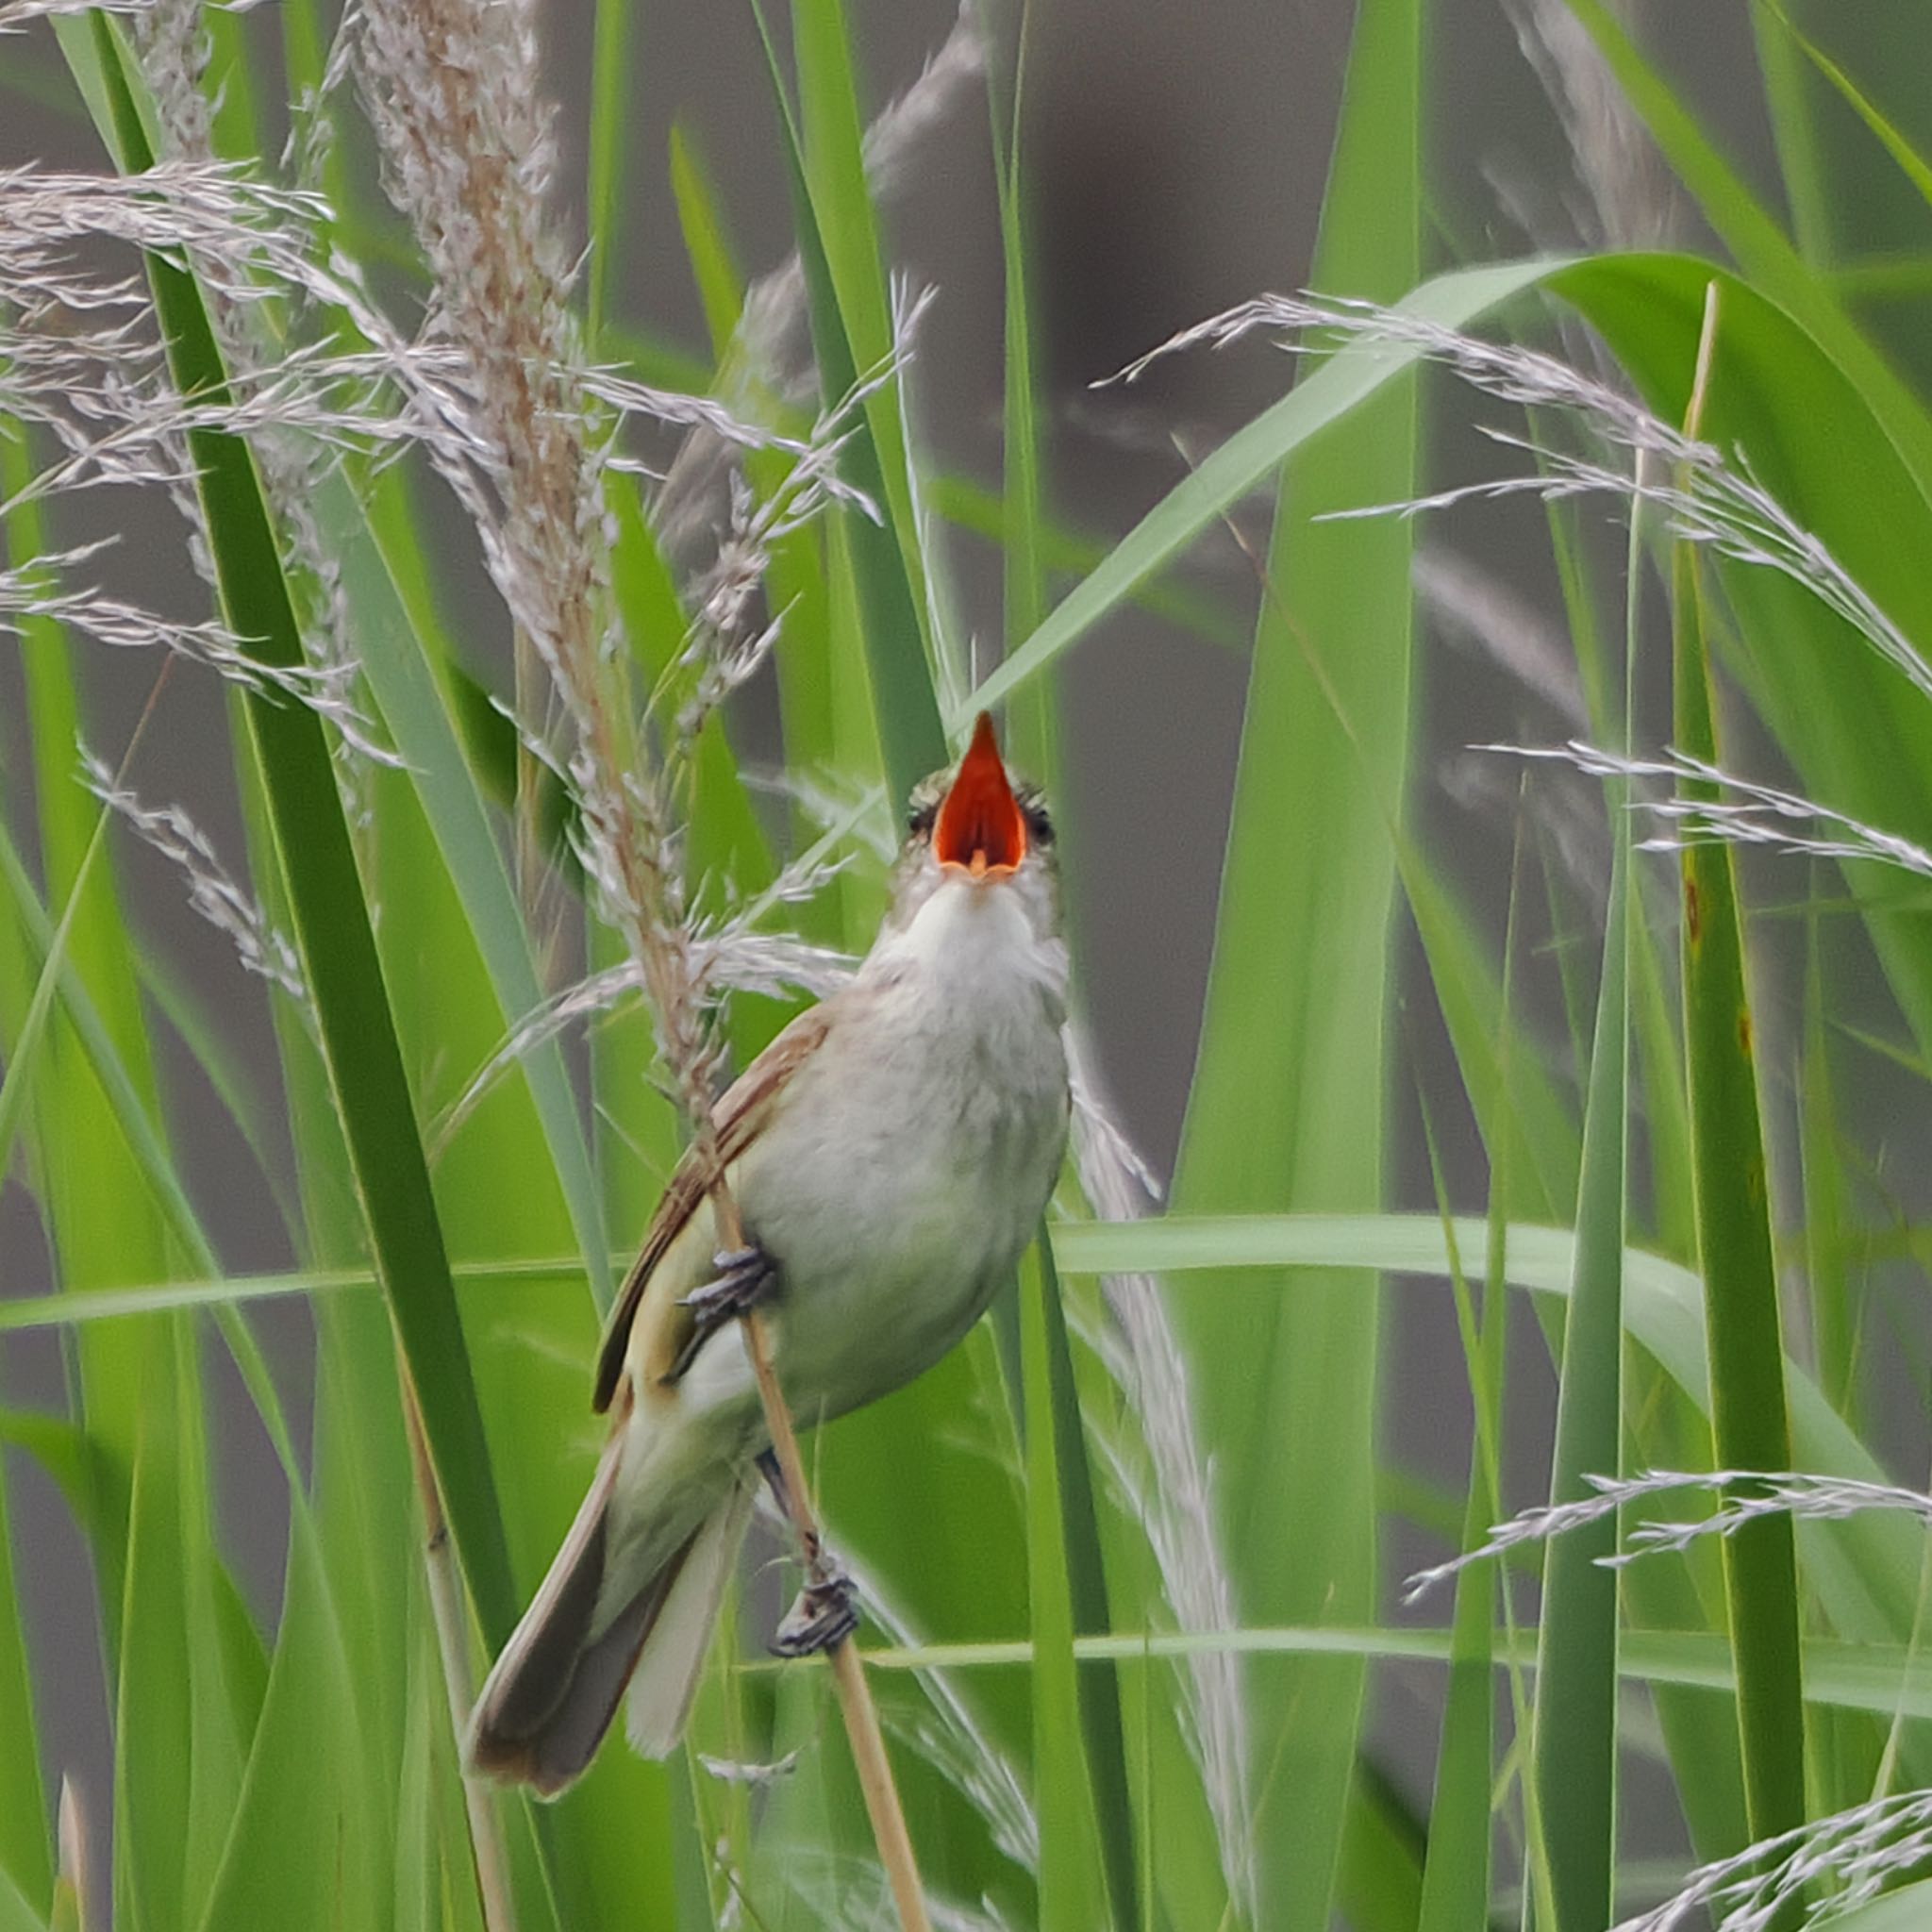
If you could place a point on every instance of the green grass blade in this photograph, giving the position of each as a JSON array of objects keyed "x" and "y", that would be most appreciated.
[
  {"x": 1759, "y": 246},
  {"x": 844, "y": 235},
  {"x": 1253, "y": 454},
  {"x": 18, "y": 1913},
  {"x": 25, "y": 1849},
  {"x": 1831, "y": 1286},
  {"x": 1879, "y": 1677},
  {"x": 27, "y": 1040},
  {"x": 1794, "y": 125},
  {"x": 154, "y": 1759},
  {"x": 1858, "y": 734},
  {"x": 1455, "y": 1888},
  {"x": 1734, "y": 1246},
  {"x": 890, "y": 597},
  {"x": 1378, "y": 1884},
  {"x": 133, "y": 1125},
  {"x": 1066, "y": 553},
  {"x": 1911, "y": 164},
  {"x": 303, "y": 1847},
  {"x": 1573, "y": 1741},
  {"x": 1099, "y": 1683},
  {"x": 101, "y": 1224},
  {"x": 1022, "y": 517},
  {"x": 26, "y": 1856},
  {"x": 611, "y": 119},
  {"x": 721, "y": 288},
  {"x": 412, "y": 706},
  {"x": 1866, "y": 1569},
  {"x": 1286, "y": 1107},
  {"x": 332, "y": 929},
  {"x": 1072, "y": 1892},
  {"x": 1904, "y": 1910}
]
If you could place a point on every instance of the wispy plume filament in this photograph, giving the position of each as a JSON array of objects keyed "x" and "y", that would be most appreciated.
[
  {"x": 1749, "y": 1495},
  {"x": 212, "y": 891},
  {"x": 1754, "y": 814},
  {"x": 1832, "y": 1865},
  {"x": 1706, "y": 496}
]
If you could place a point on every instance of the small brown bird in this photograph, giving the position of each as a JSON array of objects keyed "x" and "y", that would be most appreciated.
[{"x": 890, "y": 1153}]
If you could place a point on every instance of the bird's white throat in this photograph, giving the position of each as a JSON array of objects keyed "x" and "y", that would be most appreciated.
[{"x": 972, "y": 934}]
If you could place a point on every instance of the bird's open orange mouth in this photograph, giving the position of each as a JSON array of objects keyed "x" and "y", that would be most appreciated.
[{"x": 980, "y": 827}]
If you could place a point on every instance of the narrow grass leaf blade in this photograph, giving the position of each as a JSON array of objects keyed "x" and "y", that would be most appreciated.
[
  {"x": 1456, "y": 1868},
  {"x": 1286, "y": 1106},
  {"x": 891, "y": 605},
  {"x": 831, "y": 153},
  {"x": 1749, "y": 1420},
  {"x": 1249, "y": 458},
  {"x": 26, "y": 1848},
  {"x": 1754, "y": 238},
  {"x": 397, "y": 666},
  {"x": 1378, "y": 1884},
  {"x": 721, "y": 288},
  {"x": 1574, "y": 1736},
  {"x": 18, "y": 1912},
  {"x": 1071, "y": 1893},
  {"x": 610, "y": 120},
  {"x": 332, "y": 928},
  {"x": 1098, "y": 1683}
]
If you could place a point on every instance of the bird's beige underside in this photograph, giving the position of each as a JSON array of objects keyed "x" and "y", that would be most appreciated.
[{"x": 649, "y": 1324}]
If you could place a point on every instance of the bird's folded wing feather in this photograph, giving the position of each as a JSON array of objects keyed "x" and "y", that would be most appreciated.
[{"x": 745, "y": 1110}]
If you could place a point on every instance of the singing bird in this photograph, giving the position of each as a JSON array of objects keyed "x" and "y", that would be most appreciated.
[{"x": 891, "y": 1153}]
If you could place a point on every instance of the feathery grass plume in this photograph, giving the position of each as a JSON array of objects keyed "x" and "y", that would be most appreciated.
[
  {"x": 83, "y": 363},
  {"x": 453, "y": 91},
  {"x": 730, "y": 960},
  {"x": 725, "y": 645},
  {"x": 79, "y": 348},
  {"x": 1629, "y": 197},
  {"x": 1470, "y": 602},
  {"x": 291, "y": 442},
  {"x": 1172, "y": 1494},
  {"x": 1829, "y": 1866},
  {"x": 451, "y": 87},
  {"x": 171, "y": 41},
  {"x": 34, "y": 591},
  {"x": 772, "y": 355},
  {"x": 732, "y": 1772},
  {"x": 467, "y": 142},
  {"x": 1756, "y": 815},
  {"x": 1782, "y": 1492},
  {"x": 212, "y": 890},
  {"x": 16, "y": 16},
  {"x": 1705, "y": 497}
]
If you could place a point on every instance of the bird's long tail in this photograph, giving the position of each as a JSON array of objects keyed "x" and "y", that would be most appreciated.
[{"x": 546, "y": 1707}]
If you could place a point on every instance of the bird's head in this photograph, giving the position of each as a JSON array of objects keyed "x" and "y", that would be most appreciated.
[{"x": 972, "y": 829}]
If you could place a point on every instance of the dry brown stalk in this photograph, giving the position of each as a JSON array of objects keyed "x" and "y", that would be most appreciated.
[{"x": 862, "y": 1732}]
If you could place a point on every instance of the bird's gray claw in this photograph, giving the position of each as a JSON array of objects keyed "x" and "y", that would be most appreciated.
[
  {"x": 746, "y": 1277},
  {"x": 825, "y": 1614}
]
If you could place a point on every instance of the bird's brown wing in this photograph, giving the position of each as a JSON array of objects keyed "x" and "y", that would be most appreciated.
[{"x": 744, "y": 1111}]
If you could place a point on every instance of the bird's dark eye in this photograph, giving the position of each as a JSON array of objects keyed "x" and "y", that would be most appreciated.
[
  {"x": 1039, "y": 827},
  {"x": 921, "y": 821}
]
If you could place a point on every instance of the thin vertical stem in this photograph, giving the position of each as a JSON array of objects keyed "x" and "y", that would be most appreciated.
[
  {"x": 452, "y": 1641},
  {"x": 862, "y": 1716}
]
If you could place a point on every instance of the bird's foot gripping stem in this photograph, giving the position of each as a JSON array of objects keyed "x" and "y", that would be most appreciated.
[
  {"x": 826, "y": 1611},
  {"x": 746, "y": 1278},
  {"x": 824, "y": 1615}
]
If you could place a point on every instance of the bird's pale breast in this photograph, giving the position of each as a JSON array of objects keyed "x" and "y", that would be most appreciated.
[{"x": 895, "y": 1204}]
